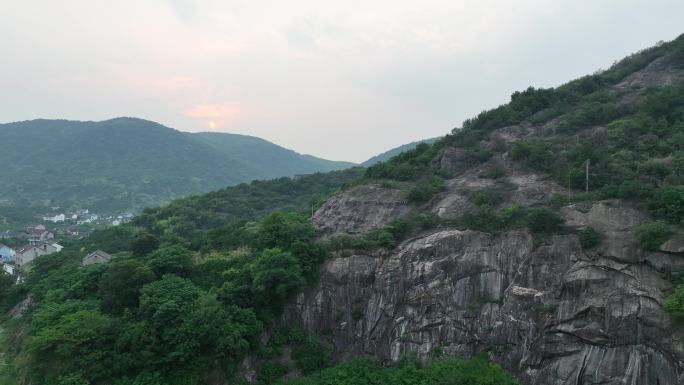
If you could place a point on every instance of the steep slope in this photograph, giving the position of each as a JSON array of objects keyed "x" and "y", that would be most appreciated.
[
  {"x": 396, "y": 151},
  {"x": 559, "y": 285},
  {"x": 131, "y": 163}
]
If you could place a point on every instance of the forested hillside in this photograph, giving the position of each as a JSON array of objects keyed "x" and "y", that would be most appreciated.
[
  {"x": 396, "y": 151},
  {"x": 200, "y": 284},
  {"x": 127, "y": 163}
]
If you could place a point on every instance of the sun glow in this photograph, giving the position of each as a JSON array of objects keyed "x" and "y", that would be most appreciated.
[{"x": 212, "y": 124}]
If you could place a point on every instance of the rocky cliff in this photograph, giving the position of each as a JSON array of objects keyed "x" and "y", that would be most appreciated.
[{"x": 548, "y": 311}]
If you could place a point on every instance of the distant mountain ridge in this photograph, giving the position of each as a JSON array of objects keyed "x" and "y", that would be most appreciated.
[
  {"x": 128, "y": 163},
  {"x": 396, "y": 151}
]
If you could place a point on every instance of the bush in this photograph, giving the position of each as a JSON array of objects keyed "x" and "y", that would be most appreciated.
[
  {"x": 494, "y": 172},
  {"x": 451, "y": 371},
  {"x": 425, "y": 190},
  {"x": 311, "y": 355},
  {"x": 668, "y": 203},
  {"x": 542, "y": 220},
  {"x": 674, "y": 304},
  {"x": 652, "y": 235},
  {"x": 144, "y": 244},
  {"x": 589, "y": 237},
  {"x": 487, "y": 197}
]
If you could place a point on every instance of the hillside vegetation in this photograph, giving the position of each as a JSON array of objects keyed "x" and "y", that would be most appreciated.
[
  {"x": 387, "y": 155},
  {"x": 127, "y": 163},
  {"x": 195, "y": 284}
]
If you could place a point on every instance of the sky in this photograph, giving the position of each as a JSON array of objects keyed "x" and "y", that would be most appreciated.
[{"x": 343, "y": 80}]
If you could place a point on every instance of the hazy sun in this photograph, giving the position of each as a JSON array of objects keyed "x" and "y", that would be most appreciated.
[{"x": 212, "y": 124}]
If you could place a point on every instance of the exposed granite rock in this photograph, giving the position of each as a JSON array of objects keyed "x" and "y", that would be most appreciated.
[
  {"x": 21, "y": 308},
  {"x": 532, "y": 189},
  {"x": 616, "y": 222},
  {"x": 551, "y": 314},
  {"x": 359, "y": 209},
  {"x": 673, "y": 245}
]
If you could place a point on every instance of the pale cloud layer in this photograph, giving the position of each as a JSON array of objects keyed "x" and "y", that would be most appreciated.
[{"x": 343, "y": 80}]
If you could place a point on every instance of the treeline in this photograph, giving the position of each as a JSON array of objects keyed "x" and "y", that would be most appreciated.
[
  {"x": 476, "y": 371},
  {"x": 161, "y": 313},
  {"x": 190, "y": 216}
]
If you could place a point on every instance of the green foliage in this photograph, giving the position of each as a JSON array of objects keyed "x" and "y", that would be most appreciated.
[
  {"x": 143, "y": 244},
  {"x": 190, "y": 217},
  {"x": 425, "y": 190},
  {"x": 558, "y": 200},
  {"x": 357, "y": 315},
  {"x": 387, "y": 237},
  {"x": 310, "y": 355},
  {"x": 538, "y": 220},
  {"x": 535, "y": 153},
  {"x": 281, "y": 229},
  {"x": 448, "y": 372},
  {"x": 174, "y": 259},
  {"x": 409, "y": 165},
  {"x": 522, "y": 105},
  {"x": 487, "y": 197},
  {"x": 668, "y": 203},
  {"x": 653, "y": 234},
  {"x": 139, "y": 163},
  {"x": 494, "y": 172},
  {"x": 173, "y": 314},
  {"x": 674, "y": 304},
  {"x": 121, "y": 283},
  {"x": 275, "y": 276},
  {"x": 271, "y": 372},
  {"x": 589, "y": 237}
]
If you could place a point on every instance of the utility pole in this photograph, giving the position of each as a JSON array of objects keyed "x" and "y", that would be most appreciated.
[{"x": 587, "y": 176}]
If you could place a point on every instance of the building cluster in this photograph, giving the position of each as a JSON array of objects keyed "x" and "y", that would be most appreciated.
[
  {"x": 39, "y": 241},
  {"x": 84, "y": 216}
]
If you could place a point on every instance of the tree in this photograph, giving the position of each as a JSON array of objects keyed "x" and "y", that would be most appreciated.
[
  {"x": 143, "y": 244},
  {"x": 281, "y": 229},
  {"x": 174, "y": 259},
  {"x": 668, "y": 203},
  {"x": 275, "y": 276},
  {"x": 121, "y": 283}
]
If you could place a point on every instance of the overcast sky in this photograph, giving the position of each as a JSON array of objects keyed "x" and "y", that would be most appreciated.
[{"x": 341, "y": 79}]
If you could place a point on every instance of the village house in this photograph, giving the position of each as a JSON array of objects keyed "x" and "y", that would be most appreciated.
[
  {"x": 55, "y": 219},
  {"x": 6, "y": 254},
  {"x": 9, "y": 269},
  {"x": 96, "y": 257},
  {"x": 30, "y": 252},
  {"x": 38, "y": 234}
]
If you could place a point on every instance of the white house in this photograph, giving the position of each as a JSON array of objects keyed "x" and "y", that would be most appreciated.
[
  {"x": 55, "y": 219},
  {"x": 9, "y": 269}
]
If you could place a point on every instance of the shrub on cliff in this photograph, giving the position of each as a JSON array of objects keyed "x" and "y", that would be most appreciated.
[{"x": 653, "y": 234}]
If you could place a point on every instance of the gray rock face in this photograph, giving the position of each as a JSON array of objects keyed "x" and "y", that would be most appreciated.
[
  {"x": 359, "y": 209},
  {"x": 552, "y": 314}
]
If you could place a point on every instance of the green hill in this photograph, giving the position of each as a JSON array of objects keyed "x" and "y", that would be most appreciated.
[
  {"x": 128, "y": 163},
  {"x": 396, "y": 151},
  {"x": 196, "y": 285}
]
